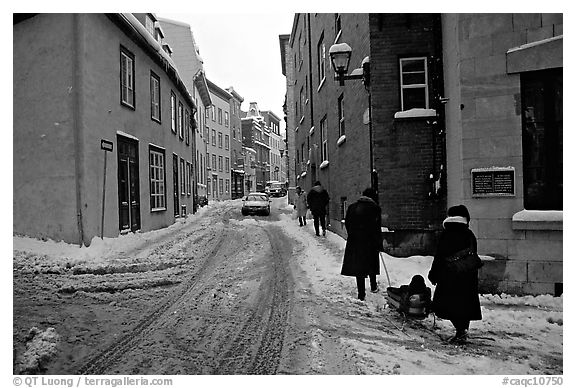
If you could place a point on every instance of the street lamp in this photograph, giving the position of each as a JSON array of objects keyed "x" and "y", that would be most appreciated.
[{"x": 340, "y": 57}]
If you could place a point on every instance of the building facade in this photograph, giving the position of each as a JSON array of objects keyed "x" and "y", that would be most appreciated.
[
  {"x": 236, "y": 157},
  {"x": 218, "y": 146},
  {"x": 186, "y": 55},
  {"x": 276, "y": 143},
  {"x": 288, "y": 110},
  {"x": 503, "y": 77},
  {"x": 256, "y": 136},
  {"x": 102, "y": 131}
]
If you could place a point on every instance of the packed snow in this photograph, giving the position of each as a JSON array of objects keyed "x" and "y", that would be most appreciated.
[{"x": 526, "y": 317}]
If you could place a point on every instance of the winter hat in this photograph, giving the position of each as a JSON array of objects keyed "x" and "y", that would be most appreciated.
[
  {"x": 317, "y": 183},
  {"x": 370, "y": 193},
  {"x": 459, "y": 211}
]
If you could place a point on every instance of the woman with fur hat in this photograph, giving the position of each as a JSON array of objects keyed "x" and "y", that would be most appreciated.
[{"x": 456, "y": 295}]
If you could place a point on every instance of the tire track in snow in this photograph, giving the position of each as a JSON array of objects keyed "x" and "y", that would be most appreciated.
[{"x": 100, "y": 363}]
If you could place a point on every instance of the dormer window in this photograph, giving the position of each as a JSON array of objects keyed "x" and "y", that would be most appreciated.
[{"x": 150, "y": 26}]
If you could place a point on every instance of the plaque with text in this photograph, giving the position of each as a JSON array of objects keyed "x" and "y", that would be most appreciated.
[{"x": 493, "y": 182}]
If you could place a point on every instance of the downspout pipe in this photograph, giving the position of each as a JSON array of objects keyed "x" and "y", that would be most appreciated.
[{"x": 77, "y": 127}]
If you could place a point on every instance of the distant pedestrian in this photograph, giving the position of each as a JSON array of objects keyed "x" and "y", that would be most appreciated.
[
  {"x": 364, "y": 244},
  {"x": 456, "y": 295},
  {"x": 318, "y": 200},
  {"x": 301, "y": 205}
]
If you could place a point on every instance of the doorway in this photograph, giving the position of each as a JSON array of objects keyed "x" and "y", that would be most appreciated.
[{"x": 128, "y": 185}]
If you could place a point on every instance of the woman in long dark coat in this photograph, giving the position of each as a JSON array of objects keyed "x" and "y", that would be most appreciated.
[
  {"x": 363, "y": 224},
  {"x": 456, "y": 295}
]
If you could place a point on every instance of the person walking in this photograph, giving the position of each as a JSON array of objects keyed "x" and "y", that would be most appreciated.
[
  {"x": 318, "y": 199},
  {"x": 363, "y": 224},
  {"x": 301, "y": 205},
  {"x": 456, "y": 295}
]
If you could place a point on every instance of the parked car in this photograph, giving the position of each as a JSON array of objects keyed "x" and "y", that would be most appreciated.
[
  {"x": 275, "y": 189},
  {"x": 256, "y": 203}
]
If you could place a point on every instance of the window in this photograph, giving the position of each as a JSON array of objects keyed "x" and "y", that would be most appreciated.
[
  {"x": 207, "y": 160},
  {"x": 214, "y": 137},
  {"x": 173, "y": 111},
  {"x": 542, "y": 139},
  {"x": 221, "y": 185},
  {"x": 150, "y": 26},
  {"x": 302, "y": 101},
  {"x": 341, "y": 120},
  {"x": 300, "y": 57},
  {"x": 337, "y": 24},
  {"x": 227, "y": 164},
  {"x": 227, "y": 186},
  {"x": 220, "y": 163},
  {"x": 321, "y": 60},
  {"x": 207, "y": 111},
  {"x": 324, "y": 138},
  {"x": 234, "y": 133},
  {"x": 157, "y": 179},
  {"x": 343, "y": 207},
  {"x": 219, "y": 139},
  {"x": 189, "y": 183},
  {"x": 227, "y": 142},
  {"x": 414, "y": 83},
  {"x": 226, "y": 119},
  {"x": 219, "y": 116},
  {"x": 182, "y": 177},
  {"x": 214, "y": 162},
  {"x": 306, "y": 89},
  {"x": 155, "y": 97},
  {"x": 187, "y": 126},
  {"x": 213, "y": 111},
  {"x": 127, "y": 94},
  {"x": 208, "y": 187},
  {"x": 180, "y": 120}
]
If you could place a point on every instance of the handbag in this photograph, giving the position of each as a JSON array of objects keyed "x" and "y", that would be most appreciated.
[{"x": 463, "y": 261}]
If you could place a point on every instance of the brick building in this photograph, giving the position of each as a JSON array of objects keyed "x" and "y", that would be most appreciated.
[
  {"x": 101, "y": 77},
  {"x": 236, "y": 158},
  {"x": 464, "y": 109}
]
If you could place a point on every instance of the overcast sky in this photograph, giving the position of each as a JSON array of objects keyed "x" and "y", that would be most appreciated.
[{"x": 243, "y": 51}]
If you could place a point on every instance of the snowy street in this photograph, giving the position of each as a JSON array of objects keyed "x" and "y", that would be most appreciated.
[{"x": 219, "y": 293}]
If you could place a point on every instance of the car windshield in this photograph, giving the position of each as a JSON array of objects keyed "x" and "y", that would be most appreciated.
[{"x": 256, "y": 198}]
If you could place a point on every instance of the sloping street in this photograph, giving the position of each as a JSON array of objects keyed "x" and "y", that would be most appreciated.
[{"x": 220, "y": 293}]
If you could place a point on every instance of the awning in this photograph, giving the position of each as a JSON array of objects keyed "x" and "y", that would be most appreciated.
[{"x": 544, "y": 54}]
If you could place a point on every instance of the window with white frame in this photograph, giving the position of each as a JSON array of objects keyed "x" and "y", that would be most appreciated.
[
  {"x": 182, "y": 177},
  {"x": 227, "y": 142},
  {"x": 213, "y": 112},
  {"x": 226, "y": 119},
  {"x": 157, "y": 179},
  {"x": 150, "y": 25},
  {"x": 173, "y": 111},
  {"x": 321, "y": 52},
  {"x": 214, "y": 162},
  {"x": 341, "y": 119},
  {"x": 324, "y": 138},
  {"x": 414, "y": 83},
  {"x": 155, "y": 97},
  {"x": 180, "y": 120},
  {"x": 127, "y": 78}
]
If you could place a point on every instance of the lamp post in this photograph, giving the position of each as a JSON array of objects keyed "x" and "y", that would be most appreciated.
[{"x": 340, "y": 57}]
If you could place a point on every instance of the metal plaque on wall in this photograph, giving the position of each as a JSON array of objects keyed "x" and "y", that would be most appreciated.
[{"x": 493, "y": 182}]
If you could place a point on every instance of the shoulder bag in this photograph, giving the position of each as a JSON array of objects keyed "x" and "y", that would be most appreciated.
[{"x": 463, "y": 261}]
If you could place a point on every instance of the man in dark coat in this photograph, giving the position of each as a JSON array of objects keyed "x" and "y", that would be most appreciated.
[
  {"x": 456, "y": 295},
  {"x": 363, "y": 225},
  {"x": 318, "y": 199}
]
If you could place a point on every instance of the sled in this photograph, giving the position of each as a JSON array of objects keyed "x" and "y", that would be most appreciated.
[{"x": 412, "y": 300}]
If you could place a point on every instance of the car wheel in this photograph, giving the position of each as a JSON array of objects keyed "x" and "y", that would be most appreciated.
[{"x": 244, "y": 213}]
